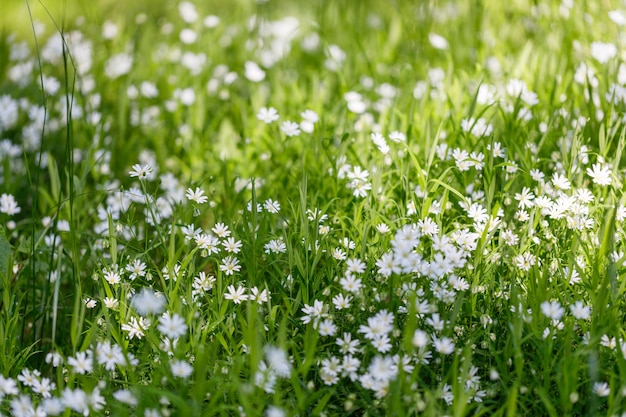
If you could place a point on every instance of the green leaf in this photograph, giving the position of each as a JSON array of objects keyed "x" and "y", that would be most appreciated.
[
  {"x": 5, "y": 254},
  {"x": 546, "y": 400}
]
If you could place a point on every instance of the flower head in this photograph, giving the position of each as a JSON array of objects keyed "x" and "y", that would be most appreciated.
[
  {"x": 148, "y": 302},
  {"x": 172, "y": 326},
  {"x": 141, "y": 172},
  {"x": 196, "y": 195}
]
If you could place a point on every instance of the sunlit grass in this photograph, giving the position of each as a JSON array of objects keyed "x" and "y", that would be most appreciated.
[{"x": 370, "y": 208}]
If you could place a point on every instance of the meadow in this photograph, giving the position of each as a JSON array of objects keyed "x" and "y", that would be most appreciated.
[{"x": 277, "y": 208}]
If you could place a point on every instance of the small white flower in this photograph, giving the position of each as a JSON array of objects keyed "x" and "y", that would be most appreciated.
[
  {"x": 237, "y": 295},
  {"x": 148, "y": 302},
  {"x": 397, "y": 136},
  {"x": 327, "y": 328},
  {"x": 278, "y": 361},
  {"x": 118, "y": 65},
  {"x": 211, "y": 21},
  {"x": 126, "y": 397},
  {"x": 445, "y": 346},
  {"x": 382, "y": 228},
  {"x": 273, "y": 411},
  {"x": 290, "y": 128},
  {"x": 181, "y": 369},
  {"x": 603, "y": 52},
  {"x": 109, "y": 30},
  {"x": 310, "y": 116},
  {"x": 90, "y": 302},
  {"x": 188, "y": 12},
  {"x": 267, "y": 115},
  {"x": 8, "y": 205},
  {"x": 560, "y": 182},
  {"x": 601, "y": 389},
  {"x": 110, "y": 302},
  {"x": 420, "y": 339},
  {"x": 259, "y": 296},
  {"x": 82, "y": 363},
  {"x": 196, "y": 195},
  {"x": 580, "y": 311},
  {"x": 253, "y": 72},
  {"x": 618, "y": 17},
  {"x": 141, "y": 172},
  {"x": 188, "y": 36},
  {"x": 221, "y": 230},
  {"x": 552, "y": 310},
  {"x": 230, "y": 265},
  {"x": 438, "y": 41},
  {"x": 136, "y": 328},
  {"x": 600, "y": 174},
  {"x": 172, "y": 326},
  {"x": 271, "y": 206}
]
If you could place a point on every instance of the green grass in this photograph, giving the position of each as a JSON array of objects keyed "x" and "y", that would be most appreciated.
[{"x": 452, "y": 200}]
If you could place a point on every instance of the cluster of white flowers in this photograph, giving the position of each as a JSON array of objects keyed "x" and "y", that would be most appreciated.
[{"x": 425, "y": 252}]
